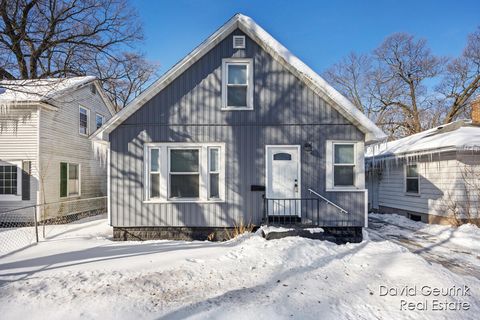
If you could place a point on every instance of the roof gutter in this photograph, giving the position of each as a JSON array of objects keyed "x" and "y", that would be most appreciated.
[{"x": 412, "y": 154}]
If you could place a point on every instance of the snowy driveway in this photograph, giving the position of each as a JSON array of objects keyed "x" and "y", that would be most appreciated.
[
  {"x": 81, "y": 274},
  {"x": 457, "y": 249}
]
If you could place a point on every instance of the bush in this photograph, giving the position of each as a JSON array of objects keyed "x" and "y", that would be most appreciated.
[{"x": 238, "y": 229}]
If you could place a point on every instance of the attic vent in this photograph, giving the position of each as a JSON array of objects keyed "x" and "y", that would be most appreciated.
[
  {"x": 93, "y": 89},
  {"x": 238, "y": 42}
]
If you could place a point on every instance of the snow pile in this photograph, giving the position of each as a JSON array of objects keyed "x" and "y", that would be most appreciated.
[
  {"x": 79, "y": 275},
  {"x": 315, "y": 230},
  {"x": 267, "y": 229}
]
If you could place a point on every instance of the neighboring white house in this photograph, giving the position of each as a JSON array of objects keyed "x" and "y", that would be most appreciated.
[
  {"x": 432, "y": 176},
  {"x": 45, "y": 153}
]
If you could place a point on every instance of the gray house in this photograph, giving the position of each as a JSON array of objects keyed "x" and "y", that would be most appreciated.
[
  {"x": 45, "y": 153},
  {"x": 238, "y": 130}
]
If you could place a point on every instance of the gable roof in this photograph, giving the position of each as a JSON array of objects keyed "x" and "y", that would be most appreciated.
[
  {"x": 274, "y": 48},
  {"x": 458, "y": 135},
  {"x": 29, "y": 91}
]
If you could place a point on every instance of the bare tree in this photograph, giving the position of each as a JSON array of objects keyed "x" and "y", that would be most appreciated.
[
  {"x": 53, "y": 38},
  {"x": 392, "y": 85},
  {"x": 403, "y": 66},
  {"x": 351, "y": 76},
  {"x": 461, "y": 79},
  {"x": 126, "y": 78},
  {"x": 389, "y": 85}
]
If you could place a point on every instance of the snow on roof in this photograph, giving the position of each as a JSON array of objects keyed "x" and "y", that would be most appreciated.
[
  {"x": 457, "y": 135},
  {"x": 37, "y": 90},
  {"x": 276, "y": 49}
]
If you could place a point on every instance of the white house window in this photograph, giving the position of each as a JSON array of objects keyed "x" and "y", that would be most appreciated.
[
  {"x": 184, "y": 175},
  {"x": 344, "y": 165},
  {"x": 69, "y": 179},
  {"x": 99, "y": 120},
  {"x": 10, "y": 181},
  {"x": 184, "y": 172},
  {"x": 411, "y": 179},
  {"x": 213, "y": 172},
  {"x": 154, "y": 173},
  {"x": 237, "y": 80},
  {"x": 83, "y": 120}
]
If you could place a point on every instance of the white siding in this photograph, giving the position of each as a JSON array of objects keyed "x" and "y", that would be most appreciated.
[
  {"x": 18, "y": 142},
  {"x": 441, "y": 186},
  {"x": 60, "y": 141}
]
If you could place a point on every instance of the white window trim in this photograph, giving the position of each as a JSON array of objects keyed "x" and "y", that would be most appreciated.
[
  {"x": 164, "y": 155},
  {"x": 18, "y": 196},
  {"x": 249, "y": 63},
  {"x": 359, "y": 170},
  {"x": 68, "y": 176},
  {"x": 101, "y": 116},
  {"x": 409, "y": 193},
  {"x": 88, "y": 121}
]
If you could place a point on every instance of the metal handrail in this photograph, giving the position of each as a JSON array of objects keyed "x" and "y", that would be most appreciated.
[{"x": 328, "y": 201}]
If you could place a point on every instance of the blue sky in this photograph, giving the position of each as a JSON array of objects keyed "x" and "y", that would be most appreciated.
[{"x": 318, "y": 32}]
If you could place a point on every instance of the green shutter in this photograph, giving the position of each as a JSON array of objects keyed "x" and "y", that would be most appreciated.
[
  {"x": 63, "y": 179},
  {"x": 26, "y": 172}
]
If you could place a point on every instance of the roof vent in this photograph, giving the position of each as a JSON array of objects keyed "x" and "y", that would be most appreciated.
[{"x": 238, "y": 42}]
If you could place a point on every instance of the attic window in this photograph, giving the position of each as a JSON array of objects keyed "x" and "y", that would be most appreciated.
[
  {"x": 93, "y": 89},
  {"x": 238, "y": 42},
  {"x": 237, "y": 84}
]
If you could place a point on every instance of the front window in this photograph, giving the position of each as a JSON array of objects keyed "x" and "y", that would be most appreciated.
[
  {"x": 83, "y": 120},
  {"x": 184, "y": 172},
  {"x": 9, "y": 180},
  {"x": 69, "y": 179},
  {"x": 154, "y": 173},
  {"x": 214, "y": 172},
  {"x": 344, "y": 165},
  {"x": 99, "y": 119},
  {"x": 237, "y": 84},
  {"x": 411, "y": 179}
]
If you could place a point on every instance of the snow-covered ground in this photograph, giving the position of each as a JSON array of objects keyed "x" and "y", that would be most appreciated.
[
  {"x": 455, "y": 248},
  {"x": 81, "y": 273}
]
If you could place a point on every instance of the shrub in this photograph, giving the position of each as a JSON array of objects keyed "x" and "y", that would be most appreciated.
[{"x": 238, "y": 229}]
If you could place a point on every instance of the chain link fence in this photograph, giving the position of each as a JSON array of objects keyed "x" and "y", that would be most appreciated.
[{"x": 22, "y": 227}]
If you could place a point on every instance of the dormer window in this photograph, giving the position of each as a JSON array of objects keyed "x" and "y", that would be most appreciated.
[{"x": 237, "y": 88}]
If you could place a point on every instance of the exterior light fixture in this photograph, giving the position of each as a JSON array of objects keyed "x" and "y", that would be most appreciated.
[{"x": 307, "y": 146}]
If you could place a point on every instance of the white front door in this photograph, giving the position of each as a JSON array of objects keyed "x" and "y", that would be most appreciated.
[{"x": 283, "y": 180}]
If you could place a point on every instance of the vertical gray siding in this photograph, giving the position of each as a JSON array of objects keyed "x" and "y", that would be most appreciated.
[{"x": 188, "y": 110}]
